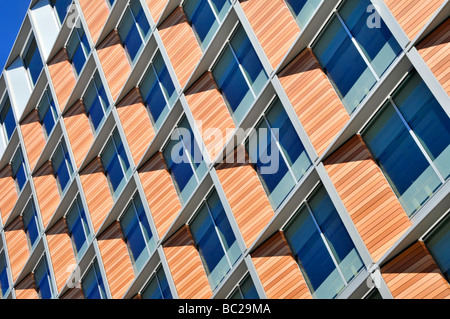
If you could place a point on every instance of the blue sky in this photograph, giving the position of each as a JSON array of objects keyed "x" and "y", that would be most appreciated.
[{"x": 12, "y": 13}]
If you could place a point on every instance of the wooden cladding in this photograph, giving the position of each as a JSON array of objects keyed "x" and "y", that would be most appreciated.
[
  {"x": 33, "y": 137},
  {"x": 414, "y": 275},
  {"x": 96, "y": 190},
  {"x": 156, "y": 8},
  {"x": 160, "y": 192},
  {"x": 117, "y": 263},
  {"x": 62, "y": 76},
  {"x": 274, "y": 26},
  {"x": 74, "y": 293},
  {"x": 314, "y": 100},
  {"x": 181, "y": 44},
  {"x": 246, "y": 196},
  {"x": 413, "y": 15},
  {"x": 278, "y": 271},
  {"x": 435, "y": 50},
  {"x": 186, "y": 267},
  {"x": 26, "y": 289},
  {"x": 61, "y": 252},
  {"x": 17, "y": 243},
  {"x": 47, "y": 191},
  {"x": 114, "y": 62},
  {"x": 367, "y": 196},
  {"x": 135, "y": 123},
  {"x": 96, "y": 13},
  {"x": 8, "y": 192},
  {"x": 79, "y": 131},
  {"x": 209, "y": 110}
]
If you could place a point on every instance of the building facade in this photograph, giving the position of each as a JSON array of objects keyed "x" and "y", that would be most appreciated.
[{"x": 249, "y": 149}]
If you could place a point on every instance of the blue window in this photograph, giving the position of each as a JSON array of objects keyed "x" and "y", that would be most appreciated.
[
  {"x": 47, "y": 112},
  {"x": 214, "y": 239},
  {"x": 324, "y": 250},
  {"x": 137, "y": 234},
  {"x": 111, "y": 2},
  {"x": 78, "y": 227},
  {"x": 7, "y": 120},
  {"x": 354, "y": 56},
  {"x": 4, "y": 281},
  {"x": 19, "y": 171},
  {"x": 205, "y": 17},
  {"x": 116, "y": 164},
  {"x": 78, "y": 49},
  {"x": 92, "y": 283},
  {"x": 96, "y": 102},
  {"x": 31, "y": 224},
  {"x": 32, "y": 61},
  {"x": 438, "y": 243},
  {"x": 245, "y": 289},
  {"x": 134, "y": 30},
  {"x": 184, "y": 160},
  {"x": 239, "y": 74},
  {"x": 62, "y": 167},
  {"x": 61, "y": 7},
  {"x": 157, "y": 287},
  {"x": 43, "y": 280},
  {"x": 158, "y": 91},
  {"x": 303, "y": 10},
  {"x": 277, "y": 153}
]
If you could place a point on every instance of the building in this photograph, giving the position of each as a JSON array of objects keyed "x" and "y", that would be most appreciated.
[{"x": 97, "y": 97}]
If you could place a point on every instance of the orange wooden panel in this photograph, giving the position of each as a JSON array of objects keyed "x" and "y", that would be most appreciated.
[
  {"x": 26, "y": 289},
  {"x": 156, "y": 8},
  {"x": 96, "y": 190},
  {"x": 367, "y": 195},
  {"x": 274, "y": 25},
  {"x": 8, "y": 192},
  {"x": 181, "y": 44},
  {"x": 412, "y": 15},
  {"x": 186, "y": 267},
  {"x": 74, "y": 293},
  {"x": 211, "y": 113},
  {"x": 278, "y": 271},
  {"x": 114, "y": 62},
  {"x": 435, "y": 50},
  {"x": 314, "y": 99},
  {"x": 17, "y": 243},
  {"x": 116, "y": 260},
  {"x": 246, "y": 196},
  {"x": 136, "y": 123},
  {"x": 79, "y": 131},
  {"x": 415, "y": 275},
  {"x": 95, "y": 12},
  {"x": 160, "y": 192},
  {"x": 47, "y": 191},
  {"x": 33, "y": 137},
  {"x": 61, "y": 252},
  {"x": 62, "y": 75}
]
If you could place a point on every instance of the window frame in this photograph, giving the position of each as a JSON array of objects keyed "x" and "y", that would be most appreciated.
[
  {"x": 22, "y": 164},
  {"x": 95, "y": 266},
  {"x": 43, "y": 259},
  {"x": 4, "y": 100},
  {"x": 24, "y": 53},
  {"x": 54, "y": 112},
  {"x": 37, "y": 221},
  {"x": 80, "y": 44},
  {"x": 238, "y": 289},
  {"x": 154, "y": 275},
  {"x": 67, "y": 160},
  {"x": 88, "y": 236},
  {"x": 3, "y": 254}
]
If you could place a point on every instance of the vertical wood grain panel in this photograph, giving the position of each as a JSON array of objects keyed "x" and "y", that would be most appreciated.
[
  {"x": 26, "y": 289},
  {"x": 367, "y": 195},
  {"x": 156, "y": 8},
  {"x": 8, "y": 192},
  {"x": 33, "y": 137},
  {"x": 74, "y": 293},
  {"x": 186, "y": 267},
  {"x": 62, "y": 76},
  {"x": 17, "y": 243},
  {"x": 278, "y": 271},
  {"x": 314, "y": 100},
  {"x": 95, "y": 12}
]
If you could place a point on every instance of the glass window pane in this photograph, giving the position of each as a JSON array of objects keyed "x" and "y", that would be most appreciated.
[
  {"x": 164, "y": 78},
  {"x": 96, "y": 102},
  {"x": 62, "y": 167},
  {"x": 47, "y": 112},
  {"x": 33, "y": 61},
  {"x": 141, "y": 19},
  {"x": 4, "y": 281},
  {"x": 163, "y": 283},
  {"x": 7, "y": 119},
  {"x": 92, "y": 284},
  {"x": 18, "y": 170},
  {"x": 31, "y": 225},
  {"x": 221, "y": 7},
  {"x": 248, "y": 289},
  {"x": 61, "y": 7},
  {"x": 152, "y": 291},
  {"x": 78, "y": 228},
  {"x": 439, "y": 243},
  {"x": 204, "y": 22},
  {"x": 303, "y": 10},
  {"x": 42, "y": 279},
  {"x": 193, "y": 149}
]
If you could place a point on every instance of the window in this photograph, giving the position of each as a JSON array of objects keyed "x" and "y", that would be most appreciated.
[
  {"x": 245, "y": 290},
  {"x": 303, "y": 10},
  {"x": 134, "y": 30},
  {"x": 78, "y": 227},
  {"x": 62, "y": 167},
  {"x": 111, "y": 3},
  {"x": 32, "y": 60},
  {"x": 96, "y": 102},
  {"x": 438, "y": 243},
  {"x": 137, "y": 233},
  {"x": 373, "y": 294},
  {"x": 7, "y": 120},
  {"x": 92, "y": 283},
  {"x": 214, "y": 240},
  {"x": 184, "y": 160},
  {"x": 158, "y": 91},
  {"x": 4, "y": 281},
  {"x": 78, "y": 49},
  {"x": 31, "y": 224},
  {"x": 239, "y": 74},
  {"x": 43, "y": 280},
  {"x": 205, "y": 17},
  {"x": 47, "y": 112},
  {"x": 61, "y": 7},
  {"x": 115, "y": 163},
  {"x": 354, "y": 56},
  {"x": 277, "y": 153},
  {"x": 157, "y": 287},
  {"x": 322, "y": 247},
  {"x": 410, "y": 140},
  {"x": 19, "y": 171}
]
